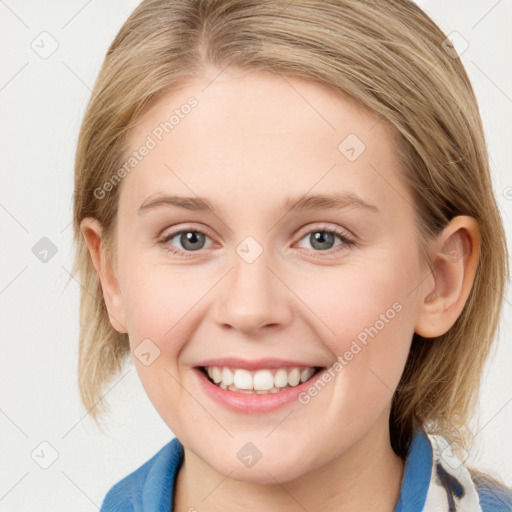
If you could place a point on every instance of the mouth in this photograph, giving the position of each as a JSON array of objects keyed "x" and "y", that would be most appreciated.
[{"x": 262, "y": 381}]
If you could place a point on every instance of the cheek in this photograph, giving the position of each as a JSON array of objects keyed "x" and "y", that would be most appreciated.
[
  {"x": 164, "y": 304},
  {"x": 159, "y": 304},
  {"x": 367, "y": 315},
  {"x": 356, "y": 296}
]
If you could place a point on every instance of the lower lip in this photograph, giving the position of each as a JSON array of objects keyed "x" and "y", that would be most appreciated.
[{"x": 253, "y": 403}]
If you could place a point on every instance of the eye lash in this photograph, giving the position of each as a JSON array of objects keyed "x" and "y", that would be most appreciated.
[
  {"x": 347, "y": 241},
  {"x": 169, "y": 248}
]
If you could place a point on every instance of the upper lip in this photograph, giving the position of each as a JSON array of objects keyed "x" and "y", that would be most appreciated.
[{"x": 255, "y": 364}]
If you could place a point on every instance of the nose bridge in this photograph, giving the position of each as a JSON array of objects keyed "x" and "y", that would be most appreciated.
[{"x": 252, "y": 296}]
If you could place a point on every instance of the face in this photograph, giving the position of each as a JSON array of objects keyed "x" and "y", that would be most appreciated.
[{"x": 251, "y": 277}]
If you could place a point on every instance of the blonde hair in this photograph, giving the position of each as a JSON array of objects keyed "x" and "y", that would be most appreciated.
[{"x": 389, "y": 57}]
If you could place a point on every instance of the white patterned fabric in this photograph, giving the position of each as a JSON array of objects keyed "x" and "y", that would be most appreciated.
[{"x": 451, "y": 488}]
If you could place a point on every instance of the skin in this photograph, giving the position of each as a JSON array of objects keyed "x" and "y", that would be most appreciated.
[{"x": 251, "y": 142}]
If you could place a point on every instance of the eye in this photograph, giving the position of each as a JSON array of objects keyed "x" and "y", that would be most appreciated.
[
  {"x": 190, "y": 239},
  {"x": 322, "y": 239}
]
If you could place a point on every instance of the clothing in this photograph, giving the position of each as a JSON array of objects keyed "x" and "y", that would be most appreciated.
[{"x": 434, "y": 480}]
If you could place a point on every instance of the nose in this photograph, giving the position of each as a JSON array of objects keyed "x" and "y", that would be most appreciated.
[{"x": 253, "y": 297}]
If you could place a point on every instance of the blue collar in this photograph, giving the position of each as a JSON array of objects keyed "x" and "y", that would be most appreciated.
[
  {"x": 417, "y": 471},
  {"x": 151, "y": 486}
]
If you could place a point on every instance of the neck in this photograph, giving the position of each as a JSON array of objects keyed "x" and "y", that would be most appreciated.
[{"x": 367, "y": 477}]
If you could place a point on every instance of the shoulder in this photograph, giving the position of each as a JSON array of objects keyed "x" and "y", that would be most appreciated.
[
  {"x": 494, "y": 496},
  {"x": 150, "y": 485},
  {"x": 434, "y": 472}
]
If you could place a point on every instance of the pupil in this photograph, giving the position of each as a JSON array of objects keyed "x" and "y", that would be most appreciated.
[
  {"x": 321, "y": 237},
  {"x": 190, "y": 237}
]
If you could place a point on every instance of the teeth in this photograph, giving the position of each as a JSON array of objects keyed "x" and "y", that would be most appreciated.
[
  {"x": 281, "y": 378},
  {"x": 261, "y": 381},
  {"x": 227, "y": 377},
  {"x": 306, "y": 374},
  {"x": 216, "y": 375},
  {"x": 243, "y": 379},
  {"x": 294, "y": 377}
]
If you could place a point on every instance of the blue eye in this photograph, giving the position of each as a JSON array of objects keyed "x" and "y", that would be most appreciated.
[
  {"x": 193, "y": 240},
  {"x": 322, "y": 239},
  {"x": 190, "y": 240}
]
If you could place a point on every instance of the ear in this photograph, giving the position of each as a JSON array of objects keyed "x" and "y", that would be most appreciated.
[
  {"x": 92, "y": 233},
  {"x": 455, "y": 256}
]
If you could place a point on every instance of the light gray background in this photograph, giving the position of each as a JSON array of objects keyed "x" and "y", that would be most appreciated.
[{"x": 42, "y": 101}]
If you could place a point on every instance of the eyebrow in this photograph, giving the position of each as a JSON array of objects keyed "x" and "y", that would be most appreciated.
[{"x": 334, "y": 201}]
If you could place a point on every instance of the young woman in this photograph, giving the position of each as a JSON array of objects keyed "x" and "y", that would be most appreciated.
[{"x": 284, "y": 217}]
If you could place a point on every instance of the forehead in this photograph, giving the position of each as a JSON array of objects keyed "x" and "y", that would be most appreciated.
[{"x": 255, "y": 136}]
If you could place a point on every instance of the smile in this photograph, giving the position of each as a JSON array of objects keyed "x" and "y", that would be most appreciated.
[
  {"x": 250, "y": 400},
  {"x": 263, "y": 381}
]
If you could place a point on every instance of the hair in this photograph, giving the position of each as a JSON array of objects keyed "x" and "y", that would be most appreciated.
[{"x": 389, "y": 58}]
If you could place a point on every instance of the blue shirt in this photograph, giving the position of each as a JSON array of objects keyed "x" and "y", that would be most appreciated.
[{"x": 150, "y": 488}]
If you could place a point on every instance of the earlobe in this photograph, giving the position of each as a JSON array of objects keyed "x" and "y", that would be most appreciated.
[
  {"x": 92, "y": 233},
  {"x": 454, "y": 258}
]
